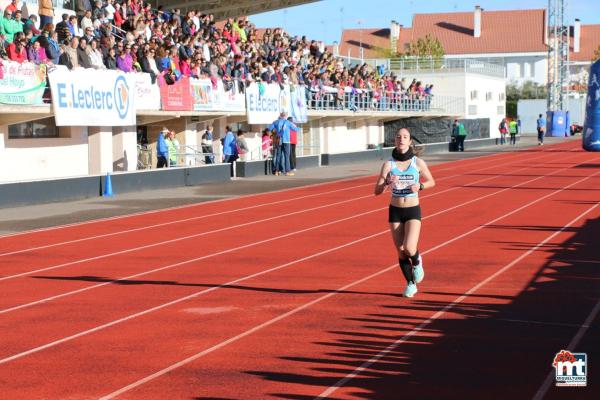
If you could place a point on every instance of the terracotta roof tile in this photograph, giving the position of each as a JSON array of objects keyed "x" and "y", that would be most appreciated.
[{"x": 589, "y": 42}]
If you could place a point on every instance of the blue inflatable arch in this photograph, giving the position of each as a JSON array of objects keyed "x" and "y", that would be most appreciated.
[{"x": 591, "y": 128}]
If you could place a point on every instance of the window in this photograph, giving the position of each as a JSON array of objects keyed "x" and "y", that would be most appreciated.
[
  {"x": 500, "y": 110},
  {"x": 488, "y": 96},
  {"x": 501, "y": 96},
  {"x": 43, "y": 128},
  {"x": 351, "y": 125},
  {"x": 473, "y": 109},
  {"x": 474, "y": 94}
]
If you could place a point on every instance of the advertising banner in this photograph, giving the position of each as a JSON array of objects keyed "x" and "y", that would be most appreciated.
[
  {"x": 89, "y": 97},
  {"x": 147, "y": 95},
  {"x": 22, "y": 83},
  {"x": 298, "y": 110},
  {"x": 264, "y": 102},
  {"x": 206, "y": 97},
  {"x": 176, "y": 97},
  {"x": 591, "y": 128}
]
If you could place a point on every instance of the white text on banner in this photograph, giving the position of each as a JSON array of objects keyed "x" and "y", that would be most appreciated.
[
  {"x": 89, "y": 97},
  {"x": 264, "y": 102}
]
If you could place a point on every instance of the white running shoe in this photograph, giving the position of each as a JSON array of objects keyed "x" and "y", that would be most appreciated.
[
  {"x": 418, "y": 271},
  {"x": 411, "y": 290}
]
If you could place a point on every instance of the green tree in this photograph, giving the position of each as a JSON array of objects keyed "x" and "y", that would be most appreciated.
[
  {"x": 529, "y": 90},
  {"x": 428, "y": 46}
]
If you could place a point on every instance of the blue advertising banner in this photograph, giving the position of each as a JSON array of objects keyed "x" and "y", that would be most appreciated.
[{"x": 591, "y": 127}]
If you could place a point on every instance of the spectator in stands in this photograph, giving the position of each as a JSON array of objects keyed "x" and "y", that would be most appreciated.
[
  {"x": 73, "y": 26},
  {"x": 12, "y": 7},
  {"x": 16, "y": 50},
  {"x": 62, "y": 28},
  {"x": 125, "y": 60},
  {"x": 110, "y": 61},
  {"x": 83, "y": 57},
  {"x": 149, "y": 65},
  {"x": 96, "y": 59},
  {"x": 89, "y": 34},
  {"x": 36, "y": 53},
  {"x": 162, "y": 151},
  {"x": 69, "y": 56},
  {"x": 31, "y": 25},
  {"x": 81, "y": 7},
  {"x": 230, "y": 153},
  {"x": 207, "y": 145},
  {"x": 46, "y": 11},
  {"x": 10, "y": 26}
]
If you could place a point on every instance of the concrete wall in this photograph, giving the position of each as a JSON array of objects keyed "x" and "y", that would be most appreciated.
[{"x": 41, "y": 158}]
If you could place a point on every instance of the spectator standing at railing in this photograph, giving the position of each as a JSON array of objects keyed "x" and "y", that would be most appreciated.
[
  {"x": 162, "y": 151},
  {"x": 230, "y": 153},
  {"x": 207, "y": 145},
  {"x": 503, "y": 129}
]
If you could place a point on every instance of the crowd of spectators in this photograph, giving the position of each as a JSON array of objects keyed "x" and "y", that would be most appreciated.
[{"x": 130, "y": 35}]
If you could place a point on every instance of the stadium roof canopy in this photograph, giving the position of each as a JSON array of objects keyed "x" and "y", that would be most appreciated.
[{"x": 232, "y": 8}]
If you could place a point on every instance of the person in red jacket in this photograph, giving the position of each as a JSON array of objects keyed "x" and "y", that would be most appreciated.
[{"x": 16, "y": 51}]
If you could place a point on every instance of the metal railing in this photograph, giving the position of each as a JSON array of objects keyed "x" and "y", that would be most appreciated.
[
  {"x": 364, "y": 100},
  {"x": 409, "y": 66}
]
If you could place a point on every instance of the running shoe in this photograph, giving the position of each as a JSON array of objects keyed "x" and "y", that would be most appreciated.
[
  {"x": 418, "y": 271},
  {"x": 411, "y": 290}
]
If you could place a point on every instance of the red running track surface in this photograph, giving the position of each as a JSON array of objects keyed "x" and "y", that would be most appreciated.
[{"x": 297, "y": 295}]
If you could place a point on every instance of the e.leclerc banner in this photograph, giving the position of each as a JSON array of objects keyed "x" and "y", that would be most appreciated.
[
  {"x": 264, "y": 102},
  {"x": 89, "y": 97}
]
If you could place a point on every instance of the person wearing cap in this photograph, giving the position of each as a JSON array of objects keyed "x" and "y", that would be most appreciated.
[
  {"x": 162, "y": 150},
  {"x": 406, "y": 174}
]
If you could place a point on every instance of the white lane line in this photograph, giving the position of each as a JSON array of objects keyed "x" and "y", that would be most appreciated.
[
  {"x": 242, "y": 197},
  {"x": 322, "y": 298},
  {"x": 62, "y": 295},
  {"x": 326, "y": 393},
  {"x": 212, "y": 215},
  {"x": 164, "y": 305},
  {"x": 539, "y": 395}
]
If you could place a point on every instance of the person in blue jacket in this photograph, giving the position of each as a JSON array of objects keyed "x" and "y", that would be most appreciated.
[
  {"x": 162, "y": 151},
  {"x": 230, "y": 152}
]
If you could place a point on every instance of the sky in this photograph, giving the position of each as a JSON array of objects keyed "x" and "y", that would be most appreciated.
[{"x": 324, "y": 20}]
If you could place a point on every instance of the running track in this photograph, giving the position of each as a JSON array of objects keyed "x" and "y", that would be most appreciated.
[{"x": 296, "y": 294}]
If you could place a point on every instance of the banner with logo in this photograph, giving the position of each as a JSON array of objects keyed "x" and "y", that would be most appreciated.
[
  {"x": 298, "y": 110},
  {"x": 206, "y": 97},
  {"x": 264, "y": 102},
  {"x": 176, "y": 97},
  {"x": 89, "y": 97},
  {"x": 22, "y": 83},
  {"x": 147, "y": 94}
]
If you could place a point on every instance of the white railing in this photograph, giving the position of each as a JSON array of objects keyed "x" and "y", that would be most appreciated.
[
  {"x": 410, "y": 66},
  {"x": 330, "y": 99}
]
